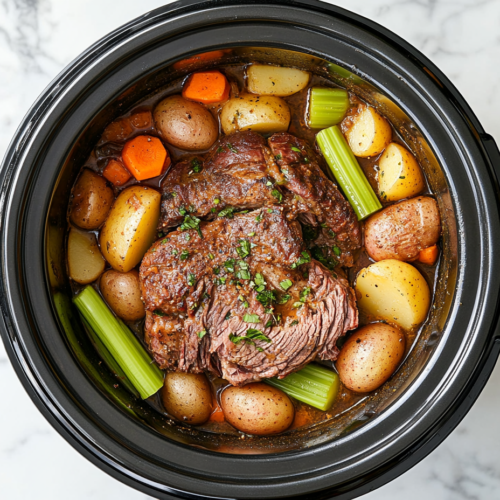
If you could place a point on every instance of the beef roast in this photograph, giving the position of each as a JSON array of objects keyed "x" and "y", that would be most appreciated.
[
  {"x": 244, "y": 300},
  {"x": 243, "y": 172}
]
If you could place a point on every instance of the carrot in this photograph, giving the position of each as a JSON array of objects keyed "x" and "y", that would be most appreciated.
[
  {"x": 144, "y": 156},
  {"x": 217, "y": 413},
  {"x": 203, "y": 57},
  {"x": 116, "y": 173},
  {"x": 428, "y": 255},
  {"x": 207, "y": 87}
]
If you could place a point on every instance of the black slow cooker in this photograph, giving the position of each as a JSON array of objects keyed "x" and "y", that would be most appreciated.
[{"x": 375, "y": 442}]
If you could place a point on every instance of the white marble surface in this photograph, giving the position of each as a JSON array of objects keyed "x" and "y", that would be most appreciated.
[{"x": 39, "y": 37}]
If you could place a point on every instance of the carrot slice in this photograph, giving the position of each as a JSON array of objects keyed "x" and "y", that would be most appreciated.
[
  {"x": 207, "y": 87},
  {"x": 217, "y": 413},
  {"x": 116, "y": 173},
  {"x": 203, "y": 57},
  {"x": 429, "y": 255},
  {"x": 144, "y": 156}
]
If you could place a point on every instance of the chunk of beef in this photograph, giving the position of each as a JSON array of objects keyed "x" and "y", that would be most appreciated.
[
  {"x": 198, "y": 291},
  {"x": 242, "y": 172}
]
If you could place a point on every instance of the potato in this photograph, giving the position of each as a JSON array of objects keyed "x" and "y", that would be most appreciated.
[
  {"x": 185, "y": 124},
  {"x": 370, "y": 356},
  {"x": 399, "y": 174},
  {"x": 122, "y": 292},
  {"x": 85, "y": 261},
  {"x": 369, "y": 133},
  {"x": 92, "y": 200},
  {"x": 264, "y": 114},
  {"x": 257, "y": 409},
  {"x": 402, "y": 230},
  {"x": 187, "y": 397},
  {"x": 393, "y": 291},
  {"x": 130, "y": 228},
  {"x": 274, "y": 80}
]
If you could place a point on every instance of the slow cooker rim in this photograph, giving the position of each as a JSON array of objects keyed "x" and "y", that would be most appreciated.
[{"x": 167, "y": 9}]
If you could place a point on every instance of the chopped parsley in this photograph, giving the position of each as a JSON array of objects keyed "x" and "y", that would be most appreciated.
[
  {"x": 294, "y": 322},
  {"x": 216, "y": 270},
  {"x": 159, "y": 312},
  {"x": 284, "y": 298},
  {"x": 295, "y": 149},
  {"x": 191, "y": 279},
  {"x": 296, "y": 305},
  {"x": 216, "y": 201},
  {"x": 244, "y": 249},
  {"x": 259, "y": 279},
  {"x": 227, "y": 212},
  {"x": 402, "y": 177},
  {"x": 278, "y": 157},
  {"x": 220, "y": 149},
  {"x": 258, "y": 218},
  {"x": 304, "y": 293},
  {"x": 251, "y": 234},
  {"x": 175, "y": 251},
  {"x": 269, "y": 323},
  {"x": 303, "y": 259},
  {"x": 336, "y": 251},
  {"x": 228, "y": 315},
  {"x": 182, "y": 211},
  {"x": 211, "y": 256},
  {"x": 164, "y": 241},
  {"x": 266, "y": 297},
  {"x": 328, "y": 261},
  {"x": 251, "y": 318},
  {"x": 196, "y": 165},
  {"x": 243, "y": 274},
  {"x": 191, "y": 222},
  {"x": 231, "y": 148},
  {"x": 229, "y": 265},
  {"x": 286, "y": 284},
  {"x": 201, "y": 334},
  {"x": 184, "y": 255},
  {"x": 277, "y": 195},
  {"x": 250, "y": 337}
]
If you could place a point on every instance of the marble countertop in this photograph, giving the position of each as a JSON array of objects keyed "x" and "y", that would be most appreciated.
[{"x": 39, "y": 37}]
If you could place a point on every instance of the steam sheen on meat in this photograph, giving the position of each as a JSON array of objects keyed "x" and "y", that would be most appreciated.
[{"x": 204, "y": 295}]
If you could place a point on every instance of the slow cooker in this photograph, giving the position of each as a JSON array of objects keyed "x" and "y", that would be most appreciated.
[{"x": 373, "y": 443}]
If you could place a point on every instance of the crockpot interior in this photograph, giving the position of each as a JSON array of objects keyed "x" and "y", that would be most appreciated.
[{"x": 86, "y": 358}]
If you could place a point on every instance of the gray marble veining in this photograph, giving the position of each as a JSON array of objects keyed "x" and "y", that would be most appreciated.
[{"x": 39, "y": 37}]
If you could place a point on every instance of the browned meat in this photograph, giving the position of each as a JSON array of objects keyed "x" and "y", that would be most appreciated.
[
  {"x": 242, "y": 172},
  {"x": 219, "y": 302}
]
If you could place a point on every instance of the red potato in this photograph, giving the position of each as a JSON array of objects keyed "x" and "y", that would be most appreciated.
[
  {"x": 370, "y": 356},
  {"x": 402, "y": 230}
]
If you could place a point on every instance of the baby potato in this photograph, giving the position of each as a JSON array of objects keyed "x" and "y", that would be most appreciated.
[
  {"x": 402, "y": 230},
  {"x": 130, "y": 228},
  {"x": 400, "y": 175},
  {"x": 370, "y": 356},
  {"x": 85, "y": 261},
  {"x": 185, "y": 124},
  {"x": 274, "y": 80},
  {"x": 187, "y": 397},
  {"x": 263, "y": 114},
  {"x": 122, "y": 292},
  {"x": 257, "y": 409},
  {"x": 393, "y": 291},
  {"x": 369, "y": 133},
  {"x": 92, "y": 200}
]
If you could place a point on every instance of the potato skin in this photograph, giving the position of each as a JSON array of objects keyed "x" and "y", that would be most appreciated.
[
  {"x": 263, "y": 79},
  {"x": 185, "y": 124},
  {"x": 187, "y": 397},
  {"x": 257, "y": 409},
  {"x": 263, "y": 114},
  {"x": 130, "y": 228},
  {"x": 393, "y": 291},
  {"x": 122, "y": 292},
  {"x": 370, "y": 356},
  {"x": 402, "y": 230},
  {"x": 92, "y": 200}
]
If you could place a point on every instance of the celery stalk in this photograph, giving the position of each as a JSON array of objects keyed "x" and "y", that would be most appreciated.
[
  {"x": 347, "y": 171},
  {"x": 127, "y": 351},
  {"x": 314, "y": 384},
  {"x": 327, "y": 106}
]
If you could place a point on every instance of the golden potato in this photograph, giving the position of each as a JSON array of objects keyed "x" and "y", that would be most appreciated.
[
  {"x": 263, "y": 114},
  {"x": 187, "y": 397},
  {"x": 402, "y": 230},
  {"x": 122, "y": 292},
  {"x": 370, "y": 356},
  {"x": 130, "y": 228},
  {"x": 394, "y": 291},
  {"x": 368, "y": 133},
  {"x": 399, "y": 174},
  {"x": 92, "y": 200},
  {"x": 185, "y": 124},
  {"x": 273, "y": 80},
  {"x": 85, "y": 261},
  {"x": 257, "y": 409}
]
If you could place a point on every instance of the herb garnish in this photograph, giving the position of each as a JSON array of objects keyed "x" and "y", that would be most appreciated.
[
  {"x": 191, "y": 279},
  {"x": 294, "y": 322},
  {"x": 191, "y": 222},
  {"x": 227, "y": 212},
  {"x": 231, "y": 148},
  {"x": 196, "y": 165},
  {"x": 278, "y": 157},
  {"x": 184, "y": 255},
  {"x": 244, "y": 249},
  {"x": 251, "y": 336},
  {"x": 286, "y": 284},
  {"x": 182, "y": 211},
  {"x": 201, "y": 334},
  {"x": 266, "y": 297},
  {"x": 303, "y": 259},
  {"x": 220, "y": 149},
  {"x": 283, "y": 299},
  {"x": 336, "y": 251},
  {"x": 258, "y": 218},
  {"x": 293, "y": 148},
  {"x": 277, "y": 195},
  {"x": 328, "y": 261},
  {"x": 251, "y": 318},
  {"x": 159, "y": 312}
]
